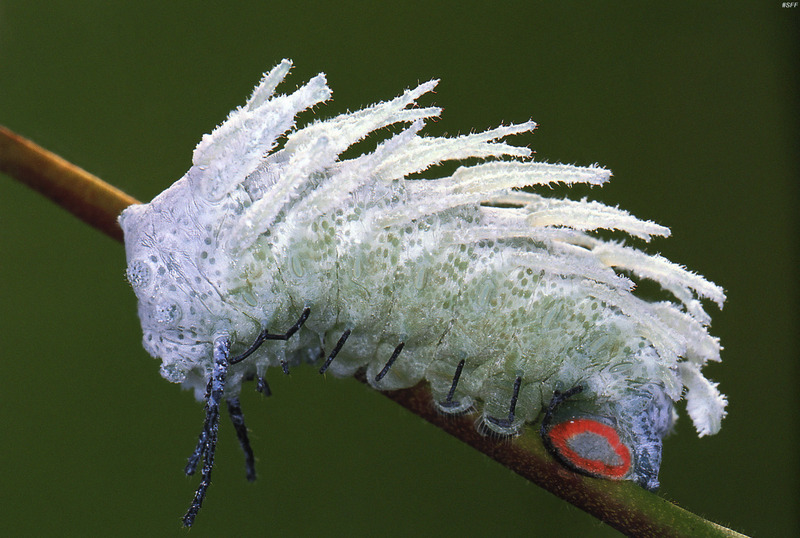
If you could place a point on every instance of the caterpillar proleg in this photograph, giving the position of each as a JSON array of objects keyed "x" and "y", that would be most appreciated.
[{"x": 506, "y": 302}]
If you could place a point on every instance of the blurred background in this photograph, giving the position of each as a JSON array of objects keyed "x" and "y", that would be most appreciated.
[{"x": 694, "y": 108}]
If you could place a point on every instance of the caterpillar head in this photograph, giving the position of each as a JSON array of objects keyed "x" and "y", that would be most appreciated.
[
  {"x": 179, "y": 305},
  {"x": 618, "y": 440}
]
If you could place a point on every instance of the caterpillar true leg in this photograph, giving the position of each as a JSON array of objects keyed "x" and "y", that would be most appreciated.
[
  {"x": 207, "y": 441},
  {"x": 237, "y": 418},
  {"x": 448, "y": 402},
  {"x": 390, "y": 362},
  {"x": 208, "y": 438},
  {"x": 194, "y": 459},
  {"x": 262, "y": 386},
  {"x": 512, "y": 408},
  {"x": 335, "y": 351}
]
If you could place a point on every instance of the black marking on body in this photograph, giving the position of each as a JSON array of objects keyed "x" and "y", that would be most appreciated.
[
  {"x": 390, "y": 362},
  {"x": 448, "y": 402},
  {"x": 265, "y": 335},
  {"x": 335, "y": 351},
  {"x": 512, "y": 408}
]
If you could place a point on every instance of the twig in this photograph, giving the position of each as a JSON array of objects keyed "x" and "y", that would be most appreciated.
[
  {"x": 622, "y": 505},
  {"x": 83, "y": 194}
]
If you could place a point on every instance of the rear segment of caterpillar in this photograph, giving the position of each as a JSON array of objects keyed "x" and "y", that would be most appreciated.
[{"x": 503, "y": 300}]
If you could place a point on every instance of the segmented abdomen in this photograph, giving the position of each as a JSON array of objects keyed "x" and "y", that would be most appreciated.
[{"x": 487, "y": 302}]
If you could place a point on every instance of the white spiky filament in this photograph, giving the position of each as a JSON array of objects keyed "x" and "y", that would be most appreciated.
[{"x": 284, "y": 192}]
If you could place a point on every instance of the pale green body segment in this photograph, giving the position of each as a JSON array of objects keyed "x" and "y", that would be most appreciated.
[
  {"x": 483, "y": 302},
  {"x": 463, "y": 267}
]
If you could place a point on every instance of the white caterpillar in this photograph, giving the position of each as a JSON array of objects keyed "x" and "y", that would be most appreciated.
[{"x": 500, "y": 299}]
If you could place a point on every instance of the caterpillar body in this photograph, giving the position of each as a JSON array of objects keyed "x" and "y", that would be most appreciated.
[{"x": 504, "y": 301}]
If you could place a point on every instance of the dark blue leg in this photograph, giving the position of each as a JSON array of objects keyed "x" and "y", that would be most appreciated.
[
  {"x": 207, "y": 443},
  {"x": 262, "y": 386},
  {"x": 237, "y": 418},
  {"x": 199, "y": 450}
]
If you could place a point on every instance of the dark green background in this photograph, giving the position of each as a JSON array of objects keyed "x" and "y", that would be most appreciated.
[{"x": 693, "y": 107}]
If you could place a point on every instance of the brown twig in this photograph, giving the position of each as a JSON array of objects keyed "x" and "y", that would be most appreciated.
[
  {"x": 83, "y": 194},
  {"x": 622, "y": 505}
]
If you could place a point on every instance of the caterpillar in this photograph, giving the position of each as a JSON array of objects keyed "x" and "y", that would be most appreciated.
[{"x": 277, "y": 248}]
